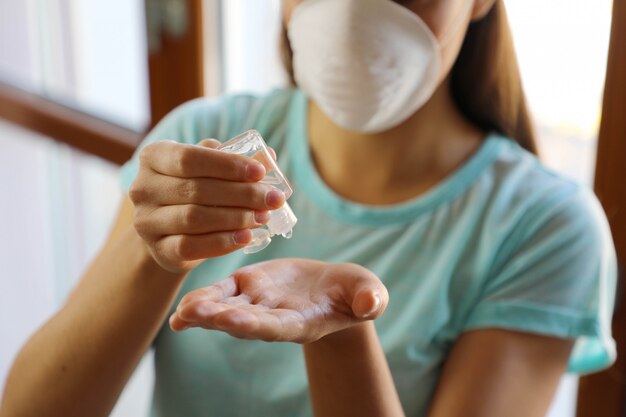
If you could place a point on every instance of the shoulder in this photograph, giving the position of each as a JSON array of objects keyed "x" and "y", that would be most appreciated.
[
  {"x": 225, "y": 116},
  {"x": 553, "y": 267},
  {"x": 518, "y": 179},
  {"x": 531, "y": 203},
  {"x": 526, "y": 178}
]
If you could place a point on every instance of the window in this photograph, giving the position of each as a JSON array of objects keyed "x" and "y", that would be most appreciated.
[
  {"x": 67, "y": 51},
  {"x": 250, "y": 39},
  {"x": 562, "y": 47},
  {"x": 83, "y": 72}
]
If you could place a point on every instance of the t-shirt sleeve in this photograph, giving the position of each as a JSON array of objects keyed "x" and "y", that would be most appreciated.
[{"x": 558, "y": 279}]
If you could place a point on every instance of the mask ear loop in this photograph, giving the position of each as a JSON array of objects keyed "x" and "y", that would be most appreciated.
[{"x": 456, "y": 24}]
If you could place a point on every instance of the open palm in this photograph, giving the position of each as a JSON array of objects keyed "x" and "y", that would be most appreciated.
[{"x": 296, "y": 300}]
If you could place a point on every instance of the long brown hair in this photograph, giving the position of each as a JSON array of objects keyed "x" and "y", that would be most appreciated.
[{"x": 485, "y": 83}]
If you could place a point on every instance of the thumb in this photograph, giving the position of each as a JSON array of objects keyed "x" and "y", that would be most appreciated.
[
  {"x": 209, "y": 143},
  {"x": 367, "y": 293},
  {"x": 369, "y": 302}
]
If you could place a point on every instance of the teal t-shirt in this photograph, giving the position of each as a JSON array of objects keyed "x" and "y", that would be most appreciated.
[{"x": 502, "y": 242}]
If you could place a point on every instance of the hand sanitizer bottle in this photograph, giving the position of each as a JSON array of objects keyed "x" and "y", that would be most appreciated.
[{"x": 282, "y": 220}]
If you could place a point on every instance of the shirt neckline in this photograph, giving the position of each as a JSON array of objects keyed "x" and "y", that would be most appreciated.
[{"x": 310, "y": 182}]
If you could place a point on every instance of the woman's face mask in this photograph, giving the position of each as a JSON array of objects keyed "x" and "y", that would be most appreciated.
[{"x": 368, "y": 64}]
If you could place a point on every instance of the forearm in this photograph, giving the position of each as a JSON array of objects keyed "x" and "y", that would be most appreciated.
[
  {"x": 79, "y": 361},
  {"x": 349, "y": 376}
]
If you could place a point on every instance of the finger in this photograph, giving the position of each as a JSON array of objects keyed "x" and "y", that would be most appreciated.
[
  {"x": 192, "y": 161},
  {"x": 201, "y": 309},
  {"x": 177, "y": 324},
  {"x": 210, "y": 143},
  {"x": 368, "y": 295},
  {"x": 370, "y": 299},
  {"x": 267, "y": 158},
  {"x": 216, "y": 292},
  {"x": 243, "y": 321},
  {"x": 272, "y": 152},
  {"x": 238, "y": 322},
  {"x": 366, "y": 304},
  {"x": 166, "y": 190},
  {"x": 197, "y": 219},
  {"x": 201, "y": 312},
  {"x": 251, "y": 322},
  {"x": 240, "y": 300},
  {"x": 180, "y": 249}
]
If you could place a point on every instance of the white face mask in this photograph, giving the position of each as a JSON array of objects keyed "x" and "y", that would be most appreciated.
[{"x": 368, "y": 64}]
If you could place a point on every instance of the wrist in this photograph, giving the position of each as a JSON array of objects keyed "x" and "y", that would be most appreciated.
[
  {"x": 346, "y": 338},
  {"x": 145, "y": 261}
]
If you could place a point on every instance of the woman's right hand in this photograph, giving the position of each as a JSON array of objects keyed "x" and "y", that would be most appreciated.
[{"x": 193, "y": 202}]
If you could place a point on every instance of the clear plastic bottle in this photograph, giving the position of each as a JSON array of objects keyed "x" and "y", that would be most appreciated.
[{"x": 282, "y": 220}]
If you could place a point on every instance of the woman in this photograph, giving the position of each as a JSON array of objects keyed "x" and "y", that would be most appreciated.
[{"x": 412, "y": 196}]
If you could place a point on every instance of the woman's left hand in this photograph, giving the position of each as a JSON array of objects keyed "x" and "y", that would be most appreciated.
[{"x": 291, "y": 300}]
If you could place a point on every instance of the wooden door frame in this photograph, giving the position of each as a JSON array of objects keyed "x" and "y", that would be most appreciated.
[
  {"x": 83, "y": 131},
  {"x": 177, "y": 66},
  {"x": 176, "y": 75},
  {"x": 603, "y": 394}
]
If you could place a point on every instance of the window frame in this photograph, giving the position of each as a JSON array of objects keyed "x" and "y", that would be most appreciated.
[
  {"x": 177, "y": 61},
  {"x": 603, "y": 394}
]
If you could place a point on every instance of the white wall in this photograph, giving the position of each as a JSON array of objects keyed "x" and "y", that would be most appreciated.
[{"x": 250, "y": 34}]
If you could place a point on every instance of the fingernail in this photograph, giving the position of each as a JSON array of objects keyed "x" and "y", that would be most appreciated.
[
  {"x": 275, "y": 198},
  {"x": 261, "y": 217},
  {"x": 242, "y": 237},
  {"x": 375, "y": 307},
  {"x": 255, "y": 171}
]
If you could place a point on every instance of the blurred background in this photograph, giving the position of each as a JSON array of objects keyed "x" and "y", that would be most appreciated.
[{"x": 81, "y": 82}]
